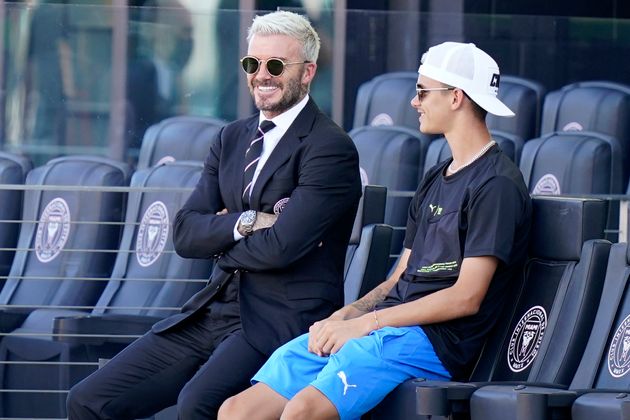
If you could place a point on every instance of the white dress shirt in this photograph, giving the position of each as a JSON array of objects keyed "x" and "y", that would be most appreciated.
[{"x": 271, "y": 140}]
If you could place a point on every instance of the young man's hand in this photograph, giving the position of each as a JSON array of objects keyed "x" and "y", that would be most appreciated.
[{"x": 328, "y": 336}]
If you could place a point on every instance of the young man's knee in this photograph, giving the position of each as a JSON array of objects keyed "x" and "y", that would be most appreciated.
[
  {"x": 297, "y": 408},
  {"x": 308, "y": 405},
  {"x": 232, "y": 408}
]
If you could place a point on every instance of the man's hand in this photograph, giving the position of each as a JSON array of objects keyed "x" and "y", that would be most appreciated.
[
  {"x": 328, "y": 336},
  {"x": 264, "y": 220}
]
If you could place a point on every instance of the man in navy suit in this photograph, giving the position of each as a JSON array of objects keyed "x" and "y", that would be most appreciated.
[{"x": 277, "y": 220}]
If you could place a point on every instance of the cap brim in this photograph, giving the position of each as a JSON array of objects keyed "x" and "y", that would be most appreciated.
[{"x": 493, "y": 105}]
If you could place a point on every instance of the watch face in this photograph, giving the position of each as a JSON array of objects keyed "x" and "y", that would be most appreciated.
[{"x": 248, "y": 218}]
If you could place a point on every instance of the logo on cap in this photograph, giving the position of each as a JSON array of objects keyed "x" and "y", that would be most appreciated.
[
  {"x": 526, "y": 338},
  {"x": 152, "y": 234},
  {"x": 619, "y": 352},
  {"x": 53, "y": 230},
  {"x": 495, "y": 80}
]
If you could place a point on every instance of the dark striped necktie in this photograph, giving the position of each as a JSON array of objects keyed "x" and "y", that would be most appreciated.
[{"x": 252, "y": 156}]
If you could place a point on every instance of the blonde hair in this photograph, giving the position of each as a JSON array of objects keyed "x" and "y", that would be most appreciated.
[{"x": 290, "y": 24}]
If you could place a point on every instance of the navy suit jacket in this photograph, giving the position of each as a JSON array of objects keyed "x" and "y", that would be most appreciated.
[{"x": 291, "y": 274}]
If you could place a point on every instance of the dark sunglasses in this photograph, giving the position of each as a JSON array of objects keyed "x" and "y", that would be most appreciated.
[
  {"x": 422, "y": 92},
  {"x": 275, "y": 66}
]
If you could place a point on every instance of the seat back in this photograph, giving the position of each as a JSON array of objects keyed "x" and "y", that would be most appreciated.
[
  {"x": 178, "y": 138},
  {"x": 149, "y": 278},
  {"x": 439, "y": 151},
  {"x": 392, "y": 157},
  {"x": 367, "y": 257},
  {"x": 599, "y": 106},
  {"x": 551, "y": 319},
  {"x": 525, "y": 98},
  {"x": 572, "y": 163},
  {"x": 385, "y": 100},
  {"x": 13, "y": 170},
  {"x": 67, "y": 235},
  {"x": 606, "y": 363}
]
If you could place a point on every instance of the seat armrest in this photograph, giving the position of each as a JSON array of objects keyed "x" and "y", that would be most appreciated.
[
  {"x": 437, "y": 397},
  {"x": 101, "y": 329}
]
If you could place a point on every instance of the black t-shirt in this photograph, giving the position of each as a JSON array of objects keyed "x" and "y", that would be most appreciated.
[{"x": 482, "y": 210}]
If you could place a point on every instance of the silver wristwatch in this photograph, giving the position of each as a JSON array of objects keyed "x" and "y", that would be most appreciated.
[{"x": 246, "y": 222}]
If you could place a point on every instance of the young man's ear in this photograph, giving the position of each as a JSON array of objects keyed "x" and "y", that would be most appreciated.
[{"x": 457, "y": 99}]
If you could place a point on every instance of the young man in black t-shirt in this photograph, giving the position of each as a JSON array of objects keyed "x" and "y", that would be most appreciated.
[{"x": 466, "y": 240}]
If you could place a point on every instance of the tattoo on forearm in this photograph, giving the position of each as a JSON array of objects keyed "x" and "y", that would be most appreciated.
[{"x": 369, "y": 301}]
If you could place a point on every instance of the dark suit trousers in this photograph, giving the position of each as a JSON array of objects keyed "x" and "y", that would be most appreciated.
[{"x": 196, "y": 365}]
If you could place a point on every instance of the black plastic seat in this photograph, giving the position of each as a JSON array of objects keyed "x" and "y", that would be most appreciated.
[
  {"x": 385, "y": 100},
  {"x": 525, "y": 98},
  {"x": 541, "y": 333},
  {"x": 178, "y": 138},
  {"x": 367, "y": 257},
  {"x": 598, "y": 106},
  {"x": 68, "y": 238},
  {"x": 149, "y": 282},
  {"x": 392, "y": 156},
  {"x": 599, "y": 389},
  {"x": 13, "y": 170},
  {"x": 572, "y": 163}
]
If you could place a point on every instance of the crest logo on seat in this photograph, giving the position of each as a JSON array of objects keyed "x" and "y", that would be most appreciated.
[
  {"x": 547, "y": 185},
  {"x": 53, "y": 230},
  {"x": 619, "y": 351},
  {"x": 526, "y": 339},
  {"x": 382, "y": 119},
  {"x": 152, "y": 234},
  {"x": 573, "y": 126}
]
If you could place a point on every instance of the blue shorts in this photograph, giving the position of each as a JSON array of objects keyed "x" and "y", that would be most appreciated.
[{"x": 360, "y": 375}]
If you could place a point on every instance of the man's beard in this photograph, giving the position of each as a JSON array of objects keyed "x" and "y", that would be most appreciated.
[{"x": 294, "y": 91}]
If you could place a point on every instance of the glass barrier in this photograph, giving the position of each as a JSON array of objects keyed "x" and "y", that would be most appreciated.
[{"x": 91, "y": 79}]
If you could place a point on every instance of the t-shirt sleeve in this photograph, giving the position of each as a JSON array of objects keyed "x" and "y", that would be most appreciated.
[{"x": 495, "y": 212}]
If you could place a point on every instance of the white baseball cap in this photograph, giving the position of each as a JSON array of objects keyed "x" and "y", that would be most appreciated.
[{"x": 466, "y": 67}]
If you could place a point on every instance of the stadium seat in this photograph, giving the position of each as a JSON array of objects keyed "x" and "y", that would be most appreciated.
[
  {"x": 178, "y": 138},
  {"x": 367, "y": 257},
  {"x": 392, "y": 156},
  {"x": 149, "y": 281},
  {"x": 13, "y": 170},
  {"x": 598, "y": 106},
  {"x": 68, "y": 238},
  {"x": 439, "y": 151},
  {"x": 572, "y": 163},
  {"x": 599, "y": 389},
  {"x": 525, "y": 98},
  {"x": 541, "y": 335},
  {"x": 575, "y": 163},
  {"x": 385, "y": 100}
]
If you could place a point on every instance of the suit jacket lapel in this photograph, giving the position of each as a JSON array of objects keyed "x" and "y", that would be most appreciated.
[
  {"x": 300, "y": 128},
  {"x": 249, "y": 131}
]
